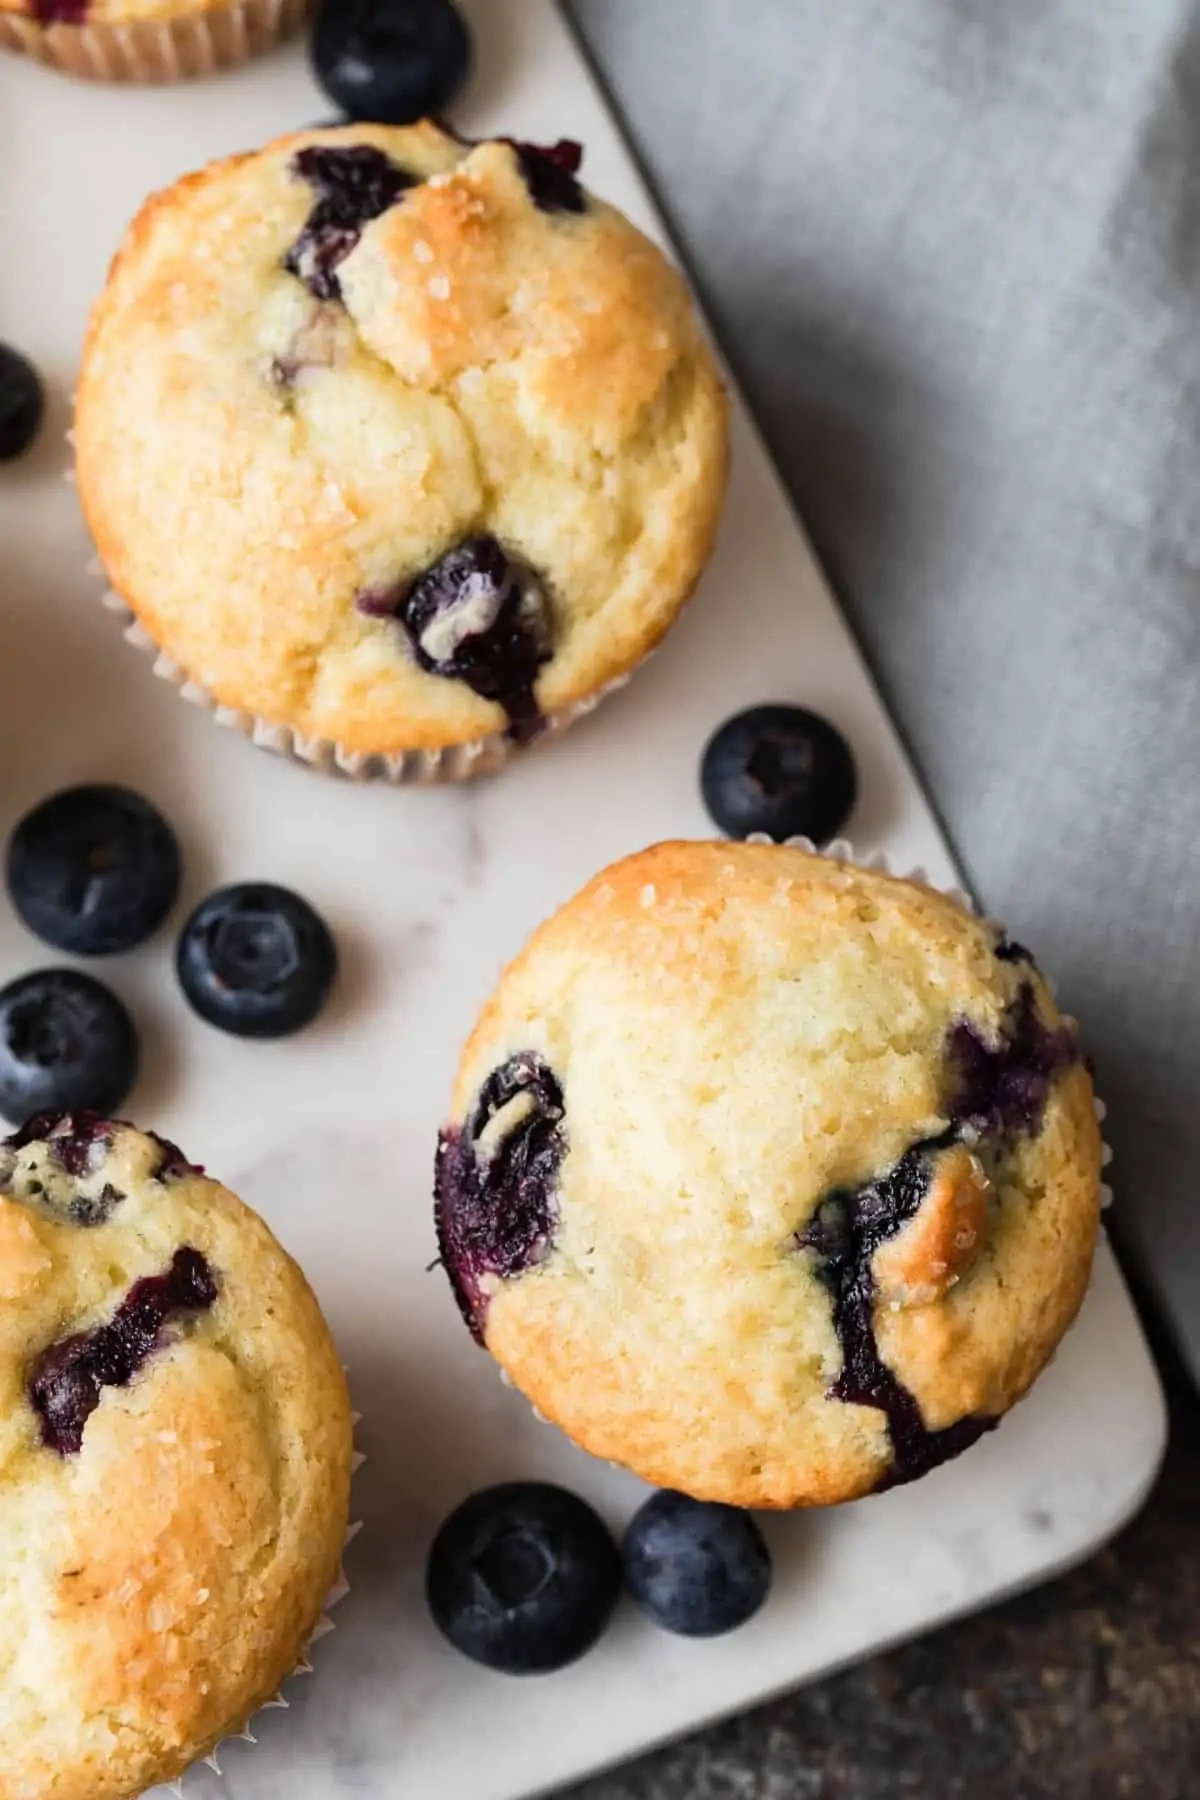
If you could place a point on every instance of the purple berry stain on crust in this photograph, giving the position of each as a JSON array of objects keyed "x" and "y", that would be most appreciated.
[
  {"x": 1003, "y": 1086},
  {"x": 60, "y": 12},
  {"x": 69, "y": 1378},
  {"x": 174, "y": 1165},
  {"x": 354, "y": 184},
  {"x": 495, "y": 1194},
  {"x": 77, "y": 1141},
  {"x": 477, "y": 617},
  {"x": 1008, "y": 950},
  {"x": 549, "y": 172},
  {"x": 73, "y": 1139},
  {"x": 997, "y": 1090},
  {"x": 846, "y": 1231}
]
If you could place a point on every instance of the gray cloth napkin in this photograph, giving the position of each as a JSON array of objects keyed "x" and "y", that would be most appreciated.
[{"x": 953, "y": 251}]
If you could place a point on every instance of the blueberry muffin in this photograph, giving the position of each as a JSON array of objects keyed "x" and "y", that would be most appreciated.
[
  {"x": 397, "y": 443},
  {"x": 145, "y": 40},
  {"x": 175, "y": 1450},
  {"x": 775, "y": 1179}
]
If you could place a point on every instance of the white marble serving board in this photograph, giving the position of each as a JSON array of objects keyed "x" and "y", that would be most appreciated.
[{"x": 332, "y": 1135}]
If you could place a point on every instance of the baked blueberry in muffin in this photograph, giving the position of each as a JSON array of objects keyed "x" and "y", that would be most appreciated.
[
  {"x": 497, "y": 1177},
  {"x": 399, "y": 444},
  {"x": 175, "y": 1439},
  {"x": 773, "y": 1178}
]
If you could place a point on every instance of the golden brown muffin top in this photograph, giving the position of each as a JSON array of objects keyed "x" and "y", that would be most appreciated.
[
  {"x": 320, "y": 371},
  {"x": 773, "y": 1178},
  {"x": 175, "y": 1449}
]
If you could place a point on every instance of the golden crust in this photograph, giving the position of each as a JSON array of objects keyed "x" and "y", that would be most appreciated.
[
  {"x": 941, "y": 1241},
  {"x": 493, "y": 368},
  {"x": 740, "y": 1031},
  {"x": 157, "y": 1587}
]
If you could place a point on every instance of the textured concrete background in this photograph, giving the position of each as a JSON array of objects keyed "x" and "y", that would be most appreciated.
[{"x": 951, "y": 249}]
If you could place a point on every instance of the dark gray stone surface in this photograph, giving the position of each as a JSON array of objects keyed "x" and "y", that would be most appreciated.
[{"x": 1087, "y": 1689}]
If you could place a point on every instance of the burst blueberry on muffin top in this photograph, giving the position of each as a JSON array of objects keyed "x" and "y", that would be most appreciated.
[
  {"x": 420, "y": 443},
  {"x": 175, "y": 1440},
  {"x": 773, "y": 1178}
]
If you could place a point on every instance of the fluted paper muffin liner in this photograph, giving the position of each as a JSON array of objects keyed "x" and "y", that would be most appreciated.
[
  {"x": 402, "y": 768},
  {"x": 841, "y": 850},
  {"x": 321, "y": 1629},
  {"x": 226, "y": 33}
]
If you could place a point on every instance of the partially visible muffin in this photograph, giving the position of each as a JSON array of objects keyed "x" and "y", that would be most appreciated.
[
  {"x": 145, "y": 40},
  {"x": 773, "y": 1178},
  {"x": 399, "y": 443},
  {"x": 175, "y": 1443}
]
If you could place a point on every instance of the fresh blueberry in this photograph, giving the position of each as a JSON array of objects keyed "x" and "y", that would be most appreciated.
[
  {"x": 93, "y": 870},
  {"x": 391, "y": 61},
  {"x": 354, "y": 184},
  {"x": 66, "y": 1045},
  {"x": 256, "y": 960},
  {"x": 697, "y": 1568},
  {"x": 523, "y": 1578},
  {"x": 68, "y": 1380},
  {"x": 22, "y": 404},
  {"x": 781, "y": 770}
]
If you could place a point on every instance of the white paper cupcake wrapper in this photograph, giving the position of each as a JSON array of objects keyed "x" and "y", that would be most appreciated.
[
  {"x": 323, "y": 1627},
  {"x": 841, "y": 850},
  {"x": 225, "y": 34},
  {"x": 403, "y": 768}
]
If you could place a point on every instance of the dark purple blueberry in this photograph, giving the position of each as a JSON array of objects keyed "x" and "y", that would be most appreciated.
[
  {"x": 174, "y": 1164},
  {"x": 549, "y": 172},
  {"x": 523, "y": 1578},
  {"x": 697, "y": 1568},
  {"x": 780, "y": 770},
  {"x": 354, "y": 184},
  {"x": 76, "y": 1140},
  {"x": 60, "y": 12},
  {"x": 479, "y": 617},
  {"x": 1003, "y": 1086},
  {"x": 1008, "y": 950},
  {"x": 845, "y": 1232},
  {"x": 93, "y": 870},
  {"x": 995, "y": 1090},
  {"x": 390, "y": 61},
  {"x": 22, "y": 404},
  {"x": 256, "y": 960},
  {"x": 68, "y": 1379},
  {"x": 496, "y": 1204},
  {"x": 79, "y": 1140},
  {"x": 66, "y": 1045}
]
